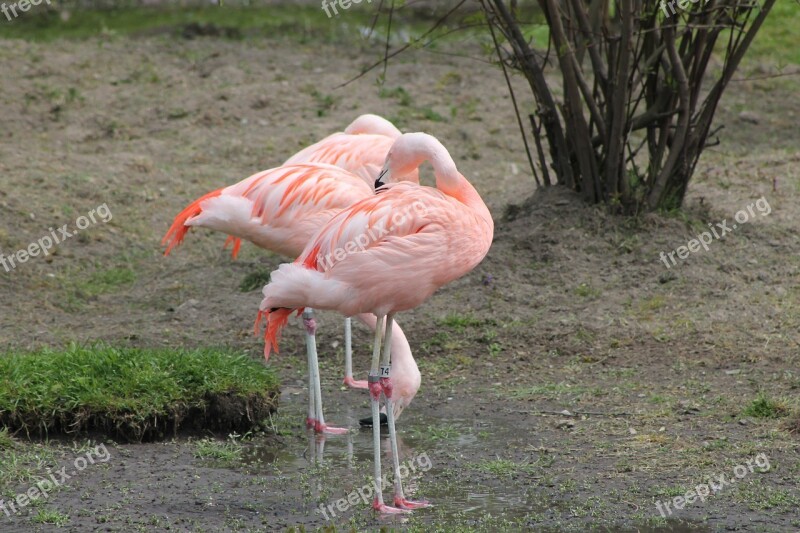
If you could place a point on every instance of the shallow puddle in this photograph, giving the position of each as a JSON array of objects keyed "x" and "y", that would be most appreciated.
[{"x": 341, "y": 465}]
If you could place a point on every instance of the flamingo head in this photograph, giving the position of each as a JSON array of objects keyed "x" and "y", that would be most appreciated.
[{"x": 406, "y": 155}]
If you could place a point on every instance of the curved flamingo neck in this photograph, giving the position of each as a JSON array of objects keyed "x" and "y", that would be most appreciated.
[
  {"x": 401, "y": 351},
  {"x": 413, "y": 149},
  {"x": 450, "y": 181}
]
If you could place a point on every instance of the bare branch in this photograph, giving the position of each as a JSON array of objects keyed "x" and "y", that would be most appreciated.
[
  {"x": 513, "y": 98},
  {"x": 684, "y": 114}
]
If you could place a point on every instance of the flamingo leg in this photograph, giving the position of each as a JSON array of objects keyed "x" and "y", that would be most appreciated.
[
  {"x": 320, "y": 447},
  {"x": 375, "y": 390},
  {"x": 313, "y": 369},
  {"x": 348, "y": 357},
  {"x": 386, "y": 363},
  {"x": 351, "y": 463},
  {"x": 312, "y": 404}
]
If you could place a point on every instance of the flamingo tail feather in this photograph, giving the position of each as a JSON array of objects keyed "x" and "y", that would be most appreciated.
[
  {"x": 237, "y": 244},
  {"x": 276, "y": 320},
  {"x": 179, "y": 228}
]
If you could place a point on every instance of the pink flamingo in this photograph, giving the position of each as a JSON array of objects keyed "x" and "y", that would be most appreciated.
[
  {"x": 418, "y": 239},
  {"x": 279, "y": 210},
  {"x": 361, "y": 149}
]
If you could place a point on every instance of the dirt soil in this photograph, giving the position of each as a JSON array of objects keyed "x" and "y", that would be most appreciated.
[{"x": 569, "y": 383}]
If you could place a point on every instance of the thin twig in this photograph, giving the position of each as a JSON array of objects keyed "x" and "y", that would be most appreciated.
[
  {"x": 537, "y": 131},
  {"x": 403, "y": 48},
  {"x": 388, "y": 37},
  {"x": 375, "y": 19},
  {"x": 511, "y": 93}
]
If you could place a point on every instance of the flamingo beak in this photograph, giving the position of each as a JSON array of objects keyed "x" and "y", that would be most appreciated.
[{"x": 379, "y": 182}]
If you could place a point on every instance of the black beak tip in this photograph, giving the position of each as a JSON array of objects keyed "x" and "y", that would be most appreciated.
[
  {"x": 379, "y": 181},
  {"x": 367, "y": 422}
]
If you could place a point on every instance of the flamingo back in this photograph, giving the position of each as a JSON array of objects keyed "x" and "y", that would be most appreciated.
[
  {"x": 362, "y": 154},
  {"x": 278, "y": 209},
  {"x": 387, "y": 253}
]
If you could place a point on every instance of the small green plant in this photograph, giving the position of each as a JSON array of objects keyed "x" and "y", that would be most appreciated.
[
  {"x": 5, "y": 439},
  {"x": 441, "y": 432},
  {"x": 670, "y": 492},
  {"x": 764, "y": 407},
  {"x": 430, "y": 114},
  {"x": 460, "y": 322},
  {"x": 584, "y": 290},
  {"x": 254, "y": 280},
  {"x": 505, "y": 467},
  {"x": 495, "y": 348},
  {"x": 402, "y": 96},
  {"x": 228, "y": 451},
  {"x": 80, "y": 289},
  {"x": 437, "y": 342},
  {"x": 44, "y": 516},
  {"x": 108, "y": 280},
  {"x": 652, "y": 304}
]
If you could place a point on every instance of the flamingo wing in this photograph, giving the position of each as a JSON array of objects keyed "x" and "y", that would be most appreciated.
[{"x": 400, "y": 246}]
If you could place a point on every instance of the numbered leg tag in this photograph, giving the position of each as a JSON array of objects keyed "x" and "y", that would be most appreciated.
[{"x": 385, "y": 371}]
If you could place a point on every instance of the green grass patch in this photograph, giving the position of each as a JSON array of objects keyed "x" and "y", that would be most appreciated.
[
  {"x": 461, "y": 322},
  {"x": 53, "y": 517},
  {"x": 584, "y": 290},
  {"x": 670, "y": 492},
  {"x": 399, "y": 93},
  {"x": 105, "y": 281},
  {"x": 78, "y": 289},
  {"x": 23, "y": 463},
  {"x": 777, "y": 39},
  {"x": 760, "y": 497},
  {"x": 441, "y": 432},
  {"x": 306, "y": 23},
  {"x": 255, "y": 280},
  {"x": 133, "y": 393},
  {"x": 229, "y": 451},
  {"x": 6, "y": 441},
  {"x": 764, "y": 407},
  {"x": 47, "y": 24},
  {"x": 505, "y": 468}
]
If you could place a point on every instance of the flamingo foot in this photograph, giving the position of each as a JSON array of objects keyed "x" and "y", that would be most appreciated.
[
  {"x": 355, "y": 384},
  {"x": 386, "y": 509},
  {"x": 402, "y": 503},
  {"x": 325, "y": 428}
]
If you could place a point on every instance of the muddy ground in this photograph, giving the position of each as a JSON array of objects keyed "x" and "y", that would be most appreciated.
[{"x": 572, "y": 309}]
